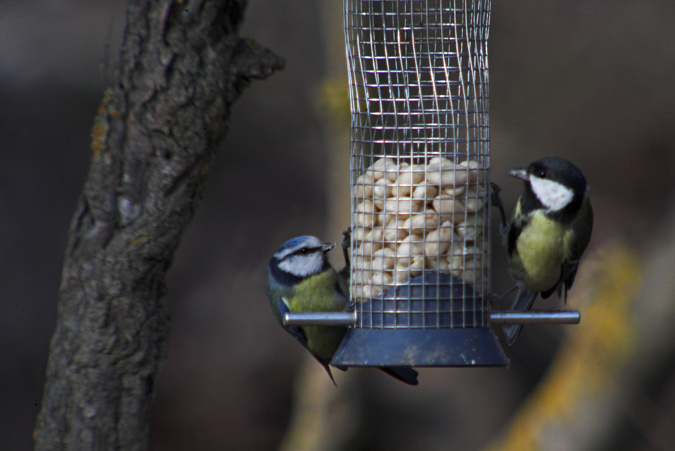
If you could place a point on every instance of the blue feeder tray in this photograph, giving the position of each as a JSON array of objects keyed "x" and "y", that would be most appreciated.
[{"x": 421, "y": 324}]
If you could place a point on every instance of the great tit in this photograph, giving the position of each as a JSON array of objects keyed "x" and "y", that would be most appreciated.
[
  {"x": 300, "y": 279},
  {"x": 549, "y": 231}
]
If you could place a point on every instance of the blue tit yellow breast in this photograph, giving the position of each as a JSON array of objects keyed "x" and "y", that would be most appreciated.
[
  {"x": 540, "y": 251},
  {"x": 320, "y": 293}
]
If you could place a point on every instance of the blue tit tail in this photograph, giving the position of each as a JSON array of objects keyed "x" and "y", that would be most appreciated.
[
  {"x": 404, "y": 374},
  {"x": 330, "y": 374},
  {"x": 327, "y": 368},
  {"x": 523, "y": 302}
]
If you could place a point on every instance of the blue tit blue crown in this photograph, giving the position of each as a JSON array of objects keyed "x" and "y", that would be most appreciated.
[{"x": 298, "y": 259}]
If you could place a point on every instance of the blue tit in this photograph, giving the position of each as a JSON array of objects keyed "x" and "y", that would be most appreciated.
[
  {"x": 300, "y": 279},
  {"x": 549, "y": 231}
]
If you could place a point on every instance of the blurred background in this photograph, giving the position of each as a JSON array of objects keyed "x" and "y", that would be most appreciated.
[{"x": 588, "y": 80}]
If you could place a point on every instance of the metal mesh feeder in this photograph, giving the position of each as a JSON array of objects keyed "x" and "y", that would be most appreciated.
[
  {"x": 420, "y": 278},
  {"x": 420, "y": 166}
]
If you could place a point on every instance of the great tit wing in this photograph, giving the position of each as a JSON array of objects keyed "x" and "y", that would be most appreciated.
[
  {"x": 583, "y": 228},
  {"x": 581, "y": 237},
  {"x": 515, "y": 228},
  {"x": 567, "y": 279}
]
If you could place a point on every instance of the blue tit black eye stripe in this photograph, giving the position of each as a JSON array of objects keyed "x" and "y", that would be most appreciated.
[{"x": 305, "y": 251}]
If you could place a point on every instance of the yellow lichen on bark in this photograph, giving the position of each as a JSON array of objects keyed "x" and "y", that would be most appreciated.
[
  {"x": 99, "y": 131},
  {"x": 587, "y": 364}
]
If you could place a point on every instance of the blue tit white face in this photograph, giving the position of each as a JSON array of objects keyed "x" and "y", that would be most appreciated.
[{"x": 303, "y": 256}]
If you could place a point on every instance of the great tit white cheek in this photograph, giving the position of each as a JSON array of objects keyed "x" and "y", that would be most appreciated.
[{"x": 553, "y": 195}]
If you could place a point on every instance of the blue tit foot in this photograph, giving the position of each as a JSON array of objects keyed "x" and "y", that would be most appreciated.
[{"x": 346, "y": 244}]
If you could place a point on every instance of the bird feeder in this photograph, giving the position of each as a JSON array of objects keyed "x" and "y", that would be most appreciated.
[
  {"x": 420, "y": 279},
  {"x": 420, "y": 174}
]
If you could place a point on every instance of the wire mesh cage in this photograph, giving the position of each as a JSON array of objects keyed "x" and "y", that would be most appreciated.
[
  {"x": 420, "y": 178},
  {"x": 420, "y": 275}
]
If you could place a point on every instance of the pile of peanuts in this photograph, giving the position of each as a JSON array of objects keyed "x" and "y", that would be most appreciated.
[{"x": 409, "y": 218}]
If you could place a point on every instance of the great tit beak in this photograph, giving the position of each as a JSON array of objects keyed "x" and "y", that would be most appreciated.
[
  {"x": 519, "y": 174},
  {"x": 325, "y": 247}
]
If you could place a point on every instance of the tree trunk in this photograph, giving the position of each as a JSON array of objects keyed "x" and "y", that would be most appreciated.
[{"x": 182, "y": 66}]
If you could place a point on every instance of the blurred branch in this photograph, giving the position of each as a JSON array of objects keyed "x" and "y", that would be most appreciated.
[
  {"x": 601, "y": 377},
  {"x": 325, "y": 418},
  {"x": 182, "y": 65}
]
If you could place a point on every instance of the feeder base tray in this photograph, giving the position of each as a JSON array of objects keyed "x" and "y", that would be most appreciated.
[{"x": 446, "y": 347}]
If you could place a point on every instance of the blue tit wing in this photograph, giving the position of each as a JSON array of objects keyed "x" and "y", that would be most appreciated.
[
  {"x": 523, "y": 302},
  {"x": 280, "y": 297},
  {"x": 293, "y": 330},
  {"x": 299, "y": 334}
]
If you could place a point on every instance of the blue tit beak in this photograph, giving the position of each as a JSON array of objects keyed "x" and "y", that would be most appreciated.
[
  {"x": 519, "y": 174},
  {"x": 325, "y": 247}
]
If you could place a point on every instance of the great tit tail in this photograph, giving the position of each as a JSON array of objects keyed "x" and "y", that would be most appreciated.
[
  {"x": 404, "y": 374},
  {"x": 523, "y": 302}
]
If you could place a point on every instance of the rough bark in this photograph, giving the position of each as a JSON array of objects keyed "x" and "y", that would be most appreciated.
[{"x": 182, "y": 65}]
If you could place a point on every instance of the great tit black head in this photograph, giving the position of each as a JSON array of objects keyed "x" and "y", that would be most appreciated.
[
  {"x": 549, "y": 231},
  {"x": 554, "y": 185}
]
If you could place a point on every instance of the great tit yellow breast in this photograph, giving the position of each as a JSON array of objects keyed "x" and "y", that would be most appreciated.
[{"x": 537, "y": 258}]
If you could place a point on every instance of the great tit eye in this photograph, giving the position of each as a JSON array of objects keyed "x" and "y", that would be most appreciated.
[{"x": 541, "y": 174}]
